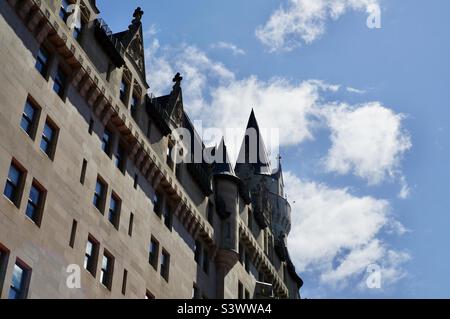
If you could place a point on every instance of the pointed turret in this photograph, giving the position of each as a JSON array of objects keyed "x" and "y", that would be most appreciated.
[
  {"x": 222, "y": 164},
  {"x": 253, "y": 152}
]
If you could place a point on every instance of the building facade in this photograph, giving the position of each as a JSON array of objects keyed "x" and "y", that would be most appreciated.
[{"x": 96, "y": 203}]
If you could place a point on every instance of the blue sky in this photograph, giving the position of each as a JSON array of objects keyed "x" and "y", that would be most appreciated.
[{"x": 363, "y": 112}]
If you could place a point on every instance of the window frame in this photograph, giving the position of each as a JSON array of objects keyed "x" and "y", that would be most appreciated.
[
  {"x": 60, "y": 82},
  {"x": 114, "y": 214},
  {"x": 38, "y": 207},
  {"x": 34, "y": 121},
  {"x": 92, "y": 258},
  {"x": 43, "y": 64},
  {"x": 51, "y": 142},
  {"x": 18, "y": 188},
  {"x": 99, "y": 200},
  {"x": 24, "y": 280},
  {"x": 165, "y": 265},
  {"x": 153, "y": 257},
  {"x": 4, "y": 259},
  {"x": 107, "y": 274}
]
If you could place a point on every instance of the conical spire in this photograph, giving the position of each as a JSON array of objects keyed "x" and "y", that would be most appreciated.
[
  {"x": 222, "y": 164},
  {"x": 253, "y": 150}
]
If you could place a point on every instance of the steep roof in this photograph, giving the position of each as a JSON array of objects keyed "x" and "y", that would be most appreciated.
[
  {"x": 259, "y": 162},
  {"x": 133, "y": 42}
]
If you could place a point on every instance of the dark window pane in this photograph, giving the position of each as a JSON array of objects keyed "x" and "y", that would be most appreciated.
[
  {"x": 18, "y": 283},
  {"x": 48, "y": 139},
  {"x": 28, "y": 118},
  {"x": 106, "y": 141},
  {"x": 99, "y": 195},
  {"x": 34, "y": 199},
  {"x": 42, "y": 61},
  {"x": 60, "y": 81},
  {"x": 12, "y": 184}
]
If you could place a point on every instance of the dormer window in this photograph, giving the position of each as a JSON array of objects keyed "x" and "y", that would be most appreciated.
[
  {"x": 125, "y": 87},
  {"x": 123, "y": 91},
  {"x": 134, "y": 103}
]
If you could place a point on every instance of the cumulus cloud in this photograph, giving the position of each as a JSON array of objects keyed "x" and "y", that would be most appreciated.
[
  {"x": 367, "y": 140},
  {"x": 338, "y": 235},
  {"x": 303, "y": 21},
  {"x": 235, "y": 50},
  {"x": 335, "y": 234}
]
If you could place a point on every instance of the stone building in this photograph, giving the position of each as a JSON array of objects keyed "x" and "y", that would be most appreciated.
[{"x": 93, "y": 189}]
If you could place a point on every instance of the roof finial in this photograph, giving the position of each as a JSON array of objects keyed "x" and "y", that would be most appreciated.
[
  {"x": 137, "y": 15},
  {"x": 177, "y": 79}
]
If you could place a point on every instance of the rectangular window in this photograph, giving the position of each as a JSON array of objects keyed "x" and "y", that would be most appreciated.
[
  {"x": 106, "y": 275},
  {"x": 73, "y": 233},
  {"x": 124, "y": 87},
  {"x": 124, "y": 282},
  {"x": 107, "y": 140},
  {"x": 158, "y": 203},
  {"x": 42, "y": 61},
  {"x": 120, "y": 158},
  {"x": 167, "y": 216},
  {"x": 36, "y": 200},
  {"x": 198, "y": 252},
  {"x": 130, "y": 225},
  {"x": 49, "y": 138},
  {"x": 99, "y": 195},
  {"x": 59, "y": 84},
  {"x": 114, "y": 211},
  {"x": 153, "y": 253},
  {"x": 205, "y": 265},
  {"x": 240, "y": 290},
  {"x": 14, "y": 183},
  {"x": 20, "y": 281},
  {"x": 4, "y": 257},
  {"x": 134, "y": 104},
  {"x": 165, "y": 265},
  {"x": 83, "y": 172},
  {"x": 29, "y": 119},
  {"x": 91, "y": 255}
]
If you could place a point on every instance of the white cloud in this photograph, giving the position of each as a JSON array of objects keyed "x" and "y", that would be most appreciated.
[
  {"x": 303, "y": 21},
  {"x": 235, "y": 50},
  {"x": 354, "y": 90},
  {"x": 334, "y": 233},
  {"x": 367, "y": 140},
  {"x": 337, "y": 235}
]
